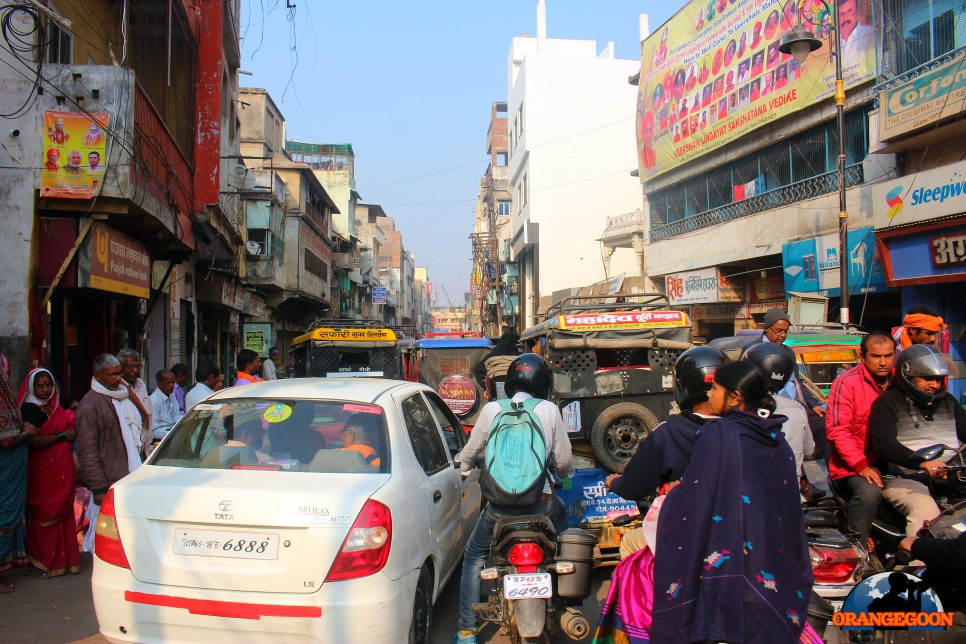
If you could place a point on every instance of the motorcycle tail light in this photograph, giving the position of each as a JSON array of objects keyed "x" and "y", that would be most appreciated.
[
  {"x": 525, "y": 554},
  {"x": 366, "y": 548},
  {"x": 833, "y": 565}
]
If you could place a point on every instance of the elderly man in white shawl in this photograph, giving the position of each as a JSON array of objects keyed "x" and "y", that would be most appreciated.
[{"x": 111, "y": 433}]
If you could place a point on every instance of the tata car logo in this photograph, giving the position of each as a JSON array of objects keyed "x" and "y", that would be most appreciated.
[{"x": 226, "y": 506}]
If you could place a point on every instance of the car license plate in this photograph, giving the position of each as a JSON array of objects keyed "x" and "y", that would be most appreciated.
[
  {"x": 234, "y": 545},
  {"x": 535, "y": 585}
]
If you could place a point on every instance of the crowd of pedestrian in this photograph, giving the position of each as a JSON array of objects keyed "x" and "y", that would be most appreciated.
[{"x": 59, "y": 458}]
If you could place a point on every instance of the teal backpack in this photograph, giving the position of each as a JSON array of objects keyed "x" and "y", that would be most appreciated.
[{"x": 515, "y": 463}]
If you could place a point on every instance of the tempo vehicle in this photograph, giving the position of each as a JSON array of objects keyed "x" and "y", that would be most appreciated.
[
  {"x": 344, "y": 347},
  {"x": 254, "y": 521},
  {"x": 446, "y": 365}
]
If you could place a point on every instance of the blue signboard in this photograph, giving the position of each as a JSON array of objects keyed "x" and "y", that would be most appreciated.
[
  {"x": 378, "y": 294},
  {"x": 812, "y": 266},
  {"x": 928, "y": 254},
  {"x": 589, "y": 502}
]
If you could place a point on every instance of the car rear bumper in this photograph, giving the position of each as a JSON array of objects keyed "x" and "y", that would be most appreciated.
[{"x": 371, "y": 609}]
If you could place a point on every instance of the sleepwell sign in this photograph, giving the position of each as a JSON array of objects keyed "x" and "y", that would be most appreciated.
[
  {"x": 812, "y": 265},
  {"x": 920, "y": 197}
]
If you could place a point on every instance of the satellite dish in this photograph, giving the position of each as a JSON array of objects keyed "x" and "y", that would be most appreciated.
[
  {"x": 253, "y": 248},
  {"x": 240, "y": 178}
]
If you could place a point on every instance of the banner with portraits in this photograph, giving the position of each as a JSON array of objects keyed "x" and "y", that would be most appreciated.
[
  {"x": 713, "y": 72},
  {"x": 74, "y": 150}
]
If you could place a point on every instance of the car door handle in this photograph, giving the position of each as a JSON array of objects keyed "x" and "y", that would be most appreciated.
[{"x": 437, "y": 495}]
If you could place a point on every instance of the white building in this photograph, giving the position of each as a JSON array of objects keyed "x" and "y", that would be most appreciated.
[{"x": 572, "y": 149}]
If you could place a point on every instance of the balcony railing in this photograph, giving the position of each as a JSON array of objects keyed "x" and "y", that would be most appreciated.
[
  {"x": 784, "y": 196},
  {"x": 161, "y": 168}
]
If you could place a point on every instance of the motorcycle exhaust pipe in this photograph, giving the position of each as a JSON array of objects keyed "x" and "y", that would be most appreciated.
[{"x": 574, "y": 624}]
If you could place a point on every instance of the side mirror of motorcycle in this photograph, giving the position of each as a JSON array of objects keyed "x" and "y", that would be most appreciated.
[{"x": 928, "y": 453}]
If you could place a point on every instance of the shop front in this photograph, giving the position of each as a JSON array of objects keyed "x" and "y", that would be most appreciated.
[
  {"x": 97, "y": 304},
  {"x": 223, "y": 302},
  {"x": 716, "y": 302},
  {"x": 812, "y": 266}
]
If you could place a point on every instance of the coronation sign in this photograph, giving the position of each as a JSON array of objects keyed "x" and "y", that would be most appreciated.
[
  {"x": 631, "y": 320},
  {"x": 713, "y": 73}
]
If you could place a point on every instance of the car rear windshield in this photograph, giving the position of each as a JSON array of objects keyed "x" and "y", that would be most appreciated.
[{"x": 279, "y": 435}]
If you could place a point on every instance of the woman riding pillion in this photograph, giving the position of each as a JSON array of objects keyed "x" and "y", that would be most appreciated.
[{"x": 528, "y": 377}]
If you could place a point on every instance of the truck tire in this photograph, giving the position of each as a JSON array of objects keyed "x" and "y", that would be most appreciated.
[{"x": 618, "y": 431}]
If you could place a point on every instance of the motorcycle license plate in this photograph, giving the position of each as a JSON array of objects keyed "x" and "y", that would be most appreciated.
[{"x": 530, "y": 586}]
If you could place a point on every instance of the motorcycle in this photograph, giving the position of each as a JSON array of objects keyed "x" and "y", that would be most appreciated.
[
  {"x": 889, "y": 526},
  {"x": 536, "y": 573}
]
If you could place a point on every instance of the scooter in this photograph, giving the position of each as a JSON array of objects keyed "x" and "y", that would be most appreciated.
[{"x": 536, "y": 573}]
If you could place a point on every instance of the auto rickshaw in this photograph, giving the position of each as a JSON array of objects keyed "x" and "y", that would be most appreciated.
[
  {"x": 348, "y": 347},
  {"x": 447, "y": 365},
  {"x": 613, "y": 369}
]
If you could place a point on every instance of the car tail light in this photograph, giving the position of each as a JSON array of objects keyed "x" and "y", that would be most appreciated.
[
  {"x": 107, "y": 538},
  {"x": 366, "y": 548},
  {"x": 833, "y": 565}
]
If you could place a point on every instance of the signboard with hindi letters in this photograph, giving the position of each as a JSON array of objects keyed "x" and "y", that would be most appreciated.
[
  {"x": 693, "y": 287},
  {"x": 111, "y": 261},
  {"x": 630, "y": 320},
  {"x": 713, "y": 73}
]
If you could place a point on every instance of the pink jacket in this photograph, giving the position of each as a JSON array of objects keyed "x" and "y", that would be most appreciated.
[{"x": 847, "y": 422}]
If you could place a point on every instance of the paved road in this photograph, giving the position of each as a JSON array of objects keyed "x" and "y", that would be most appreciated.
[{"x": 61, "y": 610}]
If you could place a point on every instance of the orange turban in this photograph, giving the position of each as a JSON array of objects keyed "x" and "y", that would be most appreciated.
[{"x": 919, "y": 321}]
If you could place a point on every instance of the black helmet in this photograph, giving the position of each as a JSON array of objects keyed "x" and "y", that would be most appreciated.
[
  {"x": 774, "y": 361},
  {"x": 923, "y": 360},
  {"x": 693, "y": 374},
  {"x": 530, "y": 373}
]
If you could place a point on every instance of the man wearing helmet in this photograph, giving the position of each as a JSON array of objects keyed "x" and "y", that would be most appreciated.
[
  {"x": 915, "y": 412},
  {"x": 777, "y": 367},
  {"x": 851, "y": 464},
  {"x": 665, "y": 453},
  {"x": 527, "y": 377}
]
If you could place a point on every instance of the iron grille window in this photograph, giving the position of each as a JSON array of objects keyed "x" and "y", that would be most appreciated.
[
  {"x": 265, "y": 227},
  {"x": 808, "y": 155},
  {"x": 924, "y": 29},
  {"x": 58, "y": 44}
]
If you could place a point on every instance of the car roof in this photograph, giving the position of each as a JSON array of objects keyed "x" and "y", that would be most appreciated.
[{"x": 362, "y": 389}]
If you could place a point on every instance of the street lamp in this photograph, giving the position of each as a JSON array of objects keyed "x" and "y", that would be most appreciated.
[{"x": 800, "y": 43}]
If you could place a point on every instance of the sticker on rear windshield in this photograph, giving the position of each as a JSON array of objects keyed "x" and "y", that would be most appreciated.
[
  {"x": 277, "y": 413},
  {"x": 363, "y": 409},
  {"x": 207, "y": 407}
]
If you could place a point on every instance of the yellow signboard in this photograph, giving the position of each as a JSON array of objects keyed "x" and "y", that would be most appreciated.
[
  {"x": 347, "y": 335},
  {"x": 614, "y": 321},
  {"x": 75, "y": 155},
  {"x": 713, "y": 73}
]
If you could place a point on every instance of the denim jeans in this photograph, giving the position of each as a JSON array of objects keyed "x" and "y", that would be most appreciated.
[{"x": 478, "y": 548}]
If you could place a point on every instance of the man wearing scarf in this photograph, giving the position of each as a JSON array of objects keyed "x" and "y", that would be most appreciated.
[
  {"x": 921, "y": 325},
  {"x": 111, "y": 433}
]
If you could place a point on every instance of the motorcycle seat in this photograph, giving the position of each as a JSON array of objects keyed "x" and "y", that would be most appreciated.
[{"x": 820, "y": 519}]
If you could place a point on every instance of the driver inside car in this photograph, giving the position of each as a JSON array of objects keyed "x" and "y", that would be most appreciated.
[{"x": 915, "y": 412}]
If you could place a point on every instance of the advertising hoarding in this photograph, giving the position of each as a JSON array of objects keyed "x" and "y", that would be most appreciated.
[
  {"x": 812, "y": 265},
  {"x": 713, "y": 73},
  {"x": 74, "y": 154}
]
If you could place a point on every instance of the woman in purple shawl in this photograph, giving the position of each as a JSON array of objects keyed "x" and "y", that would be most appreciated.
[{"x": 738, "y": 569}]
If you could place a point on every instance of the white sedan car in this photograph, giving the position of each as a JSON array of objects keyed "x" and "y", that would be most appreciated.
[{"x": 292, "y": 510}]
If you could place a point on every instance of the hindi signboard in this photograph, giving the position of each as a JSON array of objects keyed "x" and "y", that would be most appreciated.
[
  {"x": 112, "y": 261},
  {"x": 692, "y": 287},
  {"x": 713, "y": 73},
  {"x": 378, "y": 294}
]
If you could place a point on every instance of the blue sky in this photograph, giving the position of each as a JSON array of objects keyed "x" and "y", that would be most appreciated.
[{"x": 410, "y": 83}]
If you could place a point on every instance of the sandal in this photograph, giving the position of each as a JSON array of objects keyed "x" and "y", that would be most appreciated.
[{"x": 35, "y": 572}]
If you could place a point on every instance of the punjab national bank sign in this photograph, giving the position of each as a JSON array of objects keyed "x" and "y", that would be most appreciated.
[
  {"x": 114, "y": 262},
  {"x": 713, "y": 73}
]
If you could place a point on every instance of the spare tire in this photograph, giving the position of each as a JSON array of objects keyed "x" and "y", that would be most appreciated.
[{"x": 618, "y": 431}]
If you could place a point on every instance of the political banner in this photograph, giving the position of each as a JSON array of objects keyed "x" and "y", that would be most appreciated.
[
  {"x": 75, "y": 145},
  {"x": 713, "y": 73}
]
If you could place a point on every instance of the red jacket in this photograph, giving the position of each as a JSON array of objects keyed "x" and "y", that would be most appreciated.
[{"x": 847, "y": 422}]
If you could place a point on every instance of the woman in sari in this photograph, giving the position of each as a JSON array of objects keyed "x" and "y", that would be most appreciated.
[
  {"x": 14, "y": 434},
  {"x": 51, "y": 480}
]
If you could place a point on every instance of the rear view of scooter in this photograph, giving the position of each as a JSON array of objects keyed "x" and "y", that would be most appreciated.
[{"x": 536, "y": 574}]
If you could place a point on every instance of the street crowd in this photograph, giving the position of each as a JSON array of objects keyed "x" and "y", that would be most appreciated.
[{"x": 59, "y": 458}]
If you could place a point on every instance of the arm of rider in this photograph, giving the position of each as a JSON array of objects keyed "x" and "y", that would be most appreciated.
[
  {"x": 563, "y": 457},
  {"x": 873, "y": 476},
  {"x": 884, "y": 434},
  {"x": 477, "y": 440},
  {"x": 838, "y": 421},
  {"x": 932, "y": 468}
]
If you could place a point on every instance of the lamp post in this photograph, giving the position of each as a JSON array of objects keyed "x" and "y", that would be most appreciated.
[{"x": 800, "y": 43}]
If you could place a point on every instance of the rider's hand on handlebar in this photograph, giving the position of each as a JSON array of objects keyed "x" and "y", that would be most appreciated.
[
  {"x": 872, "y": 475},
  {"x": 906, "y": 544},
  {"x": 608, "y": 480},
  {"x": 933, "y": 468}
]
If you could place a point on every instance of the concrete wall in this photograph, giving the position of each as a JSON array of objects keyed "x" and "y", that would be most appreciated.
[{"x": 575, "y": 178}]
